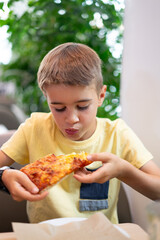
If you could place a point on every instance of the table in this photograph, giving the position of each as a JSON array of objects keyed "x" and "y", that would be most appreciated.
[
  {"x": 8, "y": 236},
  {"x": 136, "y": 232}
]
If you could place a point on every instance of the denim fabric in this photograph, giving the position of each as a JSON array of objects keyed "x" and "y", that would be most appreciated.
[
  {"x": 94, "y": 190},
  {"x": 93, "y": 205},
  {"x": 93, "y": 196}
]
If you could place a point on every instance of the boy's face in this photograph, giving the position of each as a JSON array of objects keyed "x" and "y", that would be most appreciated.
[{"x": 74, "y": 109}]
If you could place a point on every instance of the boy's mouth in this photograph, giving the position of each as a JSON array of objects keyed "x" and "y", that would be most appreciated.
[{"x": 71, "y": 131}]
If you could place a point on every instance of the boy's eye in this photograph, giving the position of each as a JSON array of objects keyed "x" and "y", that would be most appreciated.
[
  {"x": 60, "y": 109},
  {"x": 82, "y": 107}
]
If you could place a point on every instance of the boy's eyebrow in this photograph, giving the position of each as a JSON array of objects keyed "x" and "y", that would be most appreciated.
[{"x": 79, "y": 101}]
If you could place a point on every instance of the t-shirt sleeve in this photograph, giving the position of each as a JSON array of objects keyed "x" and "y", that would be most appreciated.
[
  {"x": 16, "y": 147},
  {"x": 131, "y": 147},
  {"x": 33, "y": 139}
]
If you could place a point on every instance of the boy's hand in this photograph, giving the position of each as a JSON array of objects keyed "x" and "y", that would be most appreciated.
[
  {"x": 112, "y": 166},
  {"x": 20, "y": 186},
  {"x": 145, "y": 180}
]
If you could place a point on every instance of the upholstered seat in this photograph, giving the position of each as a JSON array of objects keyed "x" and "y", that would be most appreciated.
[{"x": 10, "y": 210}]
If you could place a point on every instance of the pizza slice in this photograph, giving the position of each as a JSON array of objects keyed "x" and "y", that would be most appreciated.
[{"x": 51, "y": 169}]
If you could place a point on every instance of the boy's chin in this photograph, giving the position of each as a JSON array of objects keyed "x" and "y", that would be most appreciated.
[{"x": 73, "y": 137}]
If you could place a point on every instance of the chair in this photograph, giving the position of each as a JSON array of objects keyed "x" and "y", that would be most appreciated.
[
  {"x": 11, "y": 116},
  {"x": 123, "y": 208},
  {"x": 10, "y": 210}
]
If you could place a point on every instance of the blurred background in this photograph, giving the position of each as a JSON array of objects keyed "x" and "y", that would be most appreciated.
[{"x": 32, "y": 28}]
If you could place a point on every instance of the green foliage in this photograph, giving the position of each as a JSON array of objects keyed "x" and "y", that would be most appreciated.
[
  {"x": 1, "y": 5},
  {"x": 47, "y": 23}
]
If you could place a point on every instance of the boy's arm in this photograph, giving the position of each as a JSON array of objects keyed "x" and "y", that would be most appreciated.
[
  {"x": 18, "y": 184},
  {"x": 145, "y": 180},
  {"x": 5, "y": 160}
]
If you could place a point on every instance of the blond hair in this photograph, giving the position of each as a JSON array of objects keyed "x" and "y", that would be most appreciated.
[{"x": 70, "y": 64}]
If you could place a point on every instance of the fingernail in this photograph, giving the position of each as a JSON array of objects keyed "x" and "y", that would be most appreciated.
[
  {"x": 35, "y": 190},
  {"x": 89, "y": 157}
]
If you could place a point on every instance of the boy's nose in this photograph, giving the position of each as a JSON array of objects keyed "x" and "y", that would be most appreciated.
[{"x": 72, "y": 118}]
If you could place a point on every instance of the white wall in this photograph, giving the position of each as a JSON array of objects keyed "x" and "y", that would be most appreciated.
[{"x": 140, "y": 84}]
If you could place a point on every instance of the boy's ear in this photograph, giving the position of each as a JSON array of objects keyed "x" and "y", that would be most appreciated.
[{"x": 102, "y": 95}]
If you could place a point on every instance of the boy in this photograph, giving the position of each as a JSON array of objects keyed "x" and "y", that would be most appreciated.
[{"x": 71, "y": 80}]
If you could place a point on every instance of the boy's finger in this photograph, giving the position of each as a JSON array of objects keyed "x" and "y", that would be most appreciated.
[
  {"x": 90, "y": 178},
  {"x": 103, "y": 157},
  {"x": 23, "y": 194},
  {"x": 37, "y": 197},
  {"x": 99, "y": 176},
  {"x": 29, "y": 185}
]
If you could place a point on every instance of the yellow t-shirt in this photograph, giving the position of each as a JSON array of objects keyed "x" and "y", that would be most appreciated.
[{"x": 39, "y": 136}]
